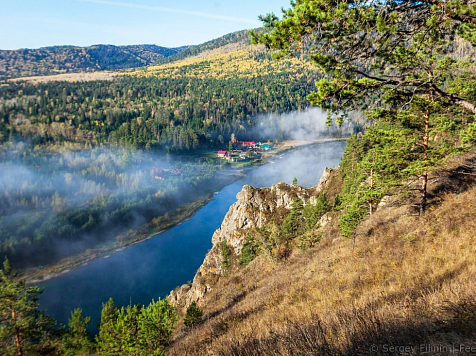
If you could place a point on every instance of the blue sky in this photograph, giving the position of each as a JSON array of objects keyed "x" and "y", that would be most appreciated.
[{"x": 38, "y": 23}]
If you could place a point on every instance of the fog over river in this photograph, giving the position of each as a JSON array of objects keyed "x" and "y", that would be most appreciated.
[{"x": 151, "y": 269}]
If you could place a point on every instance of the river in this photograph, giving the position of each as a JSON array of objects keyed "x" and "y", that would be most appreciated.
[{"x": 151, "y": 269}]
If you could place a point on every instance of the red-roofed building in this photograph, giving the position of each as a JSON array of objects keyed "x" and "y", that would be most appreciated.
[
  {"x": 247, "y": 143},
  {"x": 221, "y": 154}
]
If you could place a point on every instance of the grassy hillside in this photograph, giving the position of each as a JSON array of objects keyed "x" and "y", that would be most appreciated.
[
  {"x": 71, "y": 59},
  {"x": 406, "y": 281}
]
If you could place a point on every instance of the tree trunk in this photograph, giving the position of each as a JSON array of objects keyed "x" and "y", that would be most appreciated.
[
  {"x": 424, "y": 184},
  {"x": 17, "y": 334},
  {"x": 371, "y": 205},
  {"x": 424, "y": 176},
  {"x": 455, "y": 99},
  {"x": 467, "y": 105}
]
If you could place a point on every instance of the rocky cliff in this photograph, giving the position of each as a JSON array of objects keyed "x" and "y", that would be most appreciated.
[{"x": 254, "y": 208}]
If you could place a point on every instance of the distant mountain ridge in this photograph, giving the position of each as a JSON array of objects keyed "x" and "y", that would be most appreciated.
[
  {"x": 73, "y": 59},
  {"x": 234, "y": 37}
]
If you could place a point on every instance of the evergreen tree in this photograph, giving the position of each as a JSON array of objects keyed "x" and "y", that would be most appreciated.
[
  {"x": 107, "y": 341},
  {"x": 126, "y": 330},
  {"x": 77, "y": 341},
  {"x": 250, "y": 248},
  {"x": 399, "y": 60},
  {"x": 313, "y": 212},
  {"x": 402, "y": 148},
  {"x": 367, "y": 48},
  {"x": 136, "y": 330},
  {"x": 226, "y": 255},
  {"x": 156, "y": 324},
  {"x": 24, "y": 329},
  {"x": 193, "y": 315},
  {"x": 293, "y": 223}
]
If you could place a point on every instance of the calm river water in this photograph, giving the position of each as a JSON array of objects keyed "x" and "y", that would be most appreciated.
[{"x": 151, "y": 269}]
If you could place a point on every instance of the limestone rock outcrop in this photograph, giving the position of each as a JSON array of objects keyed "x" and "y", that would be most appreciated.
[{"x": 254, "y": 208}]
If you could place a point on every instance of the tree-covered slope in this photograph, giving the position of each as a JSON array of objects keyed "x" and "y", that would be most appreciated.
[
  {"x": 242, "y": 37},
  {"x": 200, "y": 100},
  {"x": 71, "y": 59}
]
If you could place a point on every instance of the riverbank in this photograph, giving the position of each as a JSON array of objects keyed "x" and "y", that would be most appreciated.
[
  {"x": 151, "y": 269},
  {"x": 159, "y": 225},
  {"x": 40, "y": 275},
  {"x": 130, "y": 238},
  {"x": 294, "y": 144}
]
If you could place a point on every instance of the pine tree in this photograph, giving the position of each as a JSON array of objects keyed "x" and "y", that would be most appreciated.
[
  {"x": 313, "y": 212},
  {"x": 126, "y": 330},
  {"x": 193, "y": 315},
  {"x": 366, "y": 49},
  {"x": 107, "y": 341},
  {"x": 156, "y": 324},
  {"x": 402, "y": 148},
  {"x": 136, "y": 330},
  {"x": 23, "y": 328},
  {"x": 77, "y": 341},
  {"x": 414, "y": 142},
  {"x": 293, "y": 224}
]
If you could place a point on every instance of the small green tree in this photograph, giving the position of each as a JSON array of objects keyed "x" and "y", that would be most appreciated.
[
  {"x": 313, "y": 212},
  {"x": 412, "y": 143},
  {"x": 77, "y": 341},
  {"x": 136, "y": 330},
  {"x": 352, "y": 217},
  {"x": 294, "y": 222},
  {"x": 193, "y": 315},
  {"x": 24, "y": 330},
  {"x": 107, "y": 341},
  {"x": 250, "y": 248},
  {"x": 156, "y": 324},
  {"x": 126, "y": 329},
  {"x": 226, "y": 255},
  {"x": 397, "y": 154}
]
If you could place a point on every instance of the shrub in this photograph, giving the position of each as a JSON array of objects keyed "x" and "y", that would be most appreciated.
[
  {"x": 249, "y": 251},
  {"x": 193, "y": 316},
  {"x": 225, "y": 255}
]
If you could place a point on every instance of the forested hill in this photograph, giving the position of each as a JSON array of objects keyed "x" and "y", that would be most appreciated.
[
  {"x": 217, "y": 90},
  {"x": 241, "y": 37},
  {"x": 71, "y": 59}
]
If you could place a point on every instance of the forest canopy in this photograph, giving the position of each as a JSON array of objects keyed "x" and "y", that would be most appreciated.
[
  {"x": 410, "y": 65},
  {"x": 372, "y": 47},
  {"x": 178, "y": 106}
]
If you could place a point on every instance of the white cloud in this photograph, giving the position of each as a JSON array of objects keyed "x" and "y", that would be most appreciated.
[{"x": 172, "y": 11}]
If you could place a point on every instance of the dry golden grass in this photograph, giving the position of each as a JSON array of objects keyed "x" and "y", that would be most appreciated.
[
  {"x": 409, "y": 282},
  {"x": 228, "y": 62},
  {"x": 69, "y": 77}
]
